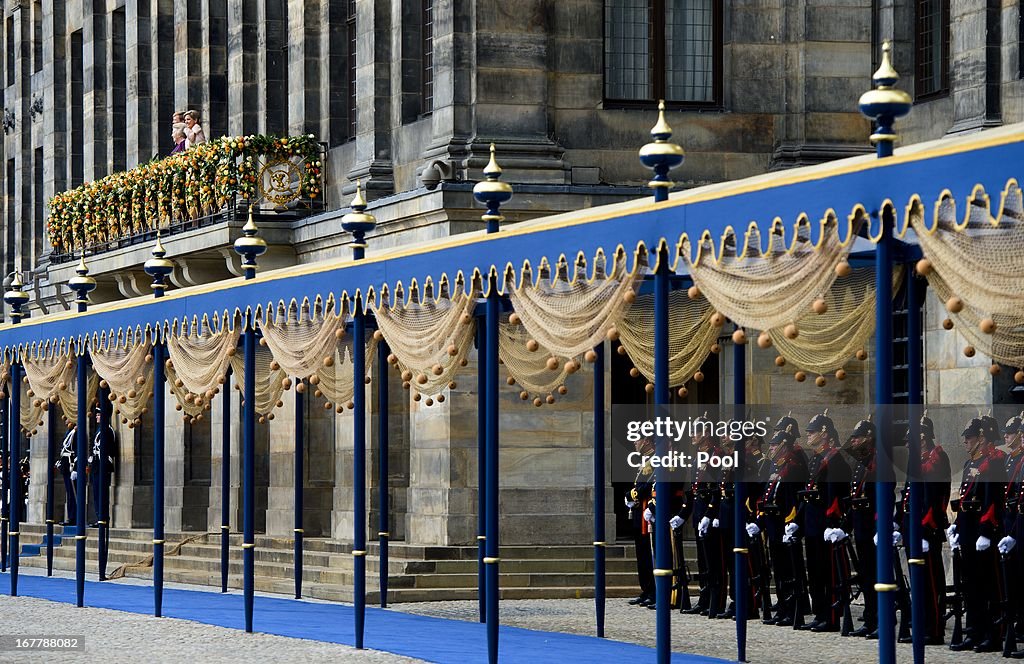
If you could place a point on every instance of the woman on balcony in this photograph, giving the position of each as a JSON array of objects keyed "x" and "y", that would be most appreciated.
[
  {"x": 178, "y": 136},
  {"x": 193, "y": 130}
]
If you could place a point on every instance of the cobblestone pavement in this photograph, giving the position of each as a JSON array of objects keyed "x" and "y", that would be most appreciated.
[{"x": 698, "y": 635}]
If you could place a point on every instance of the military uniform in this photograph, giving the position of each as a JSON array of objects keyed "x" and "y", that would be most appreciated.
[
  {"x": 1013, "y": 522},
  {"x": 705, "y": 497},
  {"x": 66, "y": 464},
  {"x": 862, "y": 513},
  {"x": 979, "y": 508},
  {"x": 827, "y": 486},
  {"x": 777, "y": 509},
  {"x": 636, "y": 502},
  {"x": 756, "y": 471},
  {"x": 93, "y": 467}
]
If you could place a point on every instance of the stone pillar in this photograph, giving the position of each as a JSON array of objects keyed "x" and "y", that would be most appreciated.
[
  {"x": 117, "y": 74},
  {"x": 55, "y": 166},
  {"x": 21, "y": 146},
  {"x": 189, "y": 91},
  {"x": 215, "y": 67},
  {"x": 217, "y": 414},
  {"x": 37, "y": 462},
  {"x": 174, "y": 463},
  {"x": 281, "y": 492},
  {"x": 242, "y": 85},
  {"x": 975, "y": 64},
  {"x": 162, "y": 40},
  {"x": 95, "y": 88},
  {"x": 139, "y": 111},
  {"x": 341, "y": 518},
  {"x": 333, "y": 72},
  {"x": 373, "y": 163},
  {"x": 304, "y": 28}
]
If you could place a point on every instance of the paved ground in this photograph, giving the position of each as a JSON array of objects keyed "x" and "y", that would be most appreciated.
[{"x": 716, "y": 638}]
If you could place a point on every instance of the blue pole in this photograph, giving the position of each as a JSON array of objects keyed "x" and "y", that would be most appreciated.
[
  {"x": 158, "y": 477},
  {"x": 13, "y": 478},
  {"x": 51, "y": 441},
  {"x": 599, "y": 487},
  {"x": 82, "y": 451},
  {"x": 225, "y": 484},
  {"x": 104, "y": 507},
  {"x": 662, "y": 532},
  {"x": 359, "y": 465},
  {"x": 249, "y": 468},
  {"x": 492, "y": 559},
  {"x": 9, "y": 415},
  {"x": 300, "y": 434},
  {"x": 915, "y": 556},
  {"x": 382, "y": 467},
  {"x": 481, "y": 469},
  {"x": 740, "y": 552},
  {"x": 883, "y": 398}
]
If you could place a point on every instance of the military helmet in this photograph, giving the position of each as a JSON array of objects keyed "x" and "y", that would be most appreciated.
[
  {"x": 992, "y": 428},
  {"x": 926, "y": 429},
  {"x": 822, "y": 422},
  {"x": 976, "y": 427},
  {"x": 788, "y": 424},
  {"x": 783, "y": 437},
  {"x": 864, "y": 428},
  {"x": 1013, "y": 425}
]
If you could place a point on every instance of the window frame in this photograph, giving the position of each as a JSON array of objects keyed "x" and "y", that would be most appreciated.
[
  {"x": 426, "y": 58},
  {"x": 944, "y": 74},
  {"x": 656, "y": 35}
]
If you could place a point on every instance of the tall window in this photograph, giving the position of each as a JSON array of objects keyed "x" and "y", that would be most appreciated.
[
  {"x": 428, "y": 56},
  {"x": 663, "y": 49},
  {"x": 350, "y": 27},
  {"x": 931, "y": 49}
]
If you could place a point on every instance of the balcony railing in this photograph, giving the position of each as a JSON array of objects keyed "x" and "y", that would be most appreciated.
[{"x": 206, "y": 184}]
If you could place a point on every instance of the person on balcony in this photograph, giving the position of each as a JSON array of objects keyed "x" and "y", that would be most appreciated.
[
  {"x": 193, "y": 130},
  {"x": 178, "y": 136}
]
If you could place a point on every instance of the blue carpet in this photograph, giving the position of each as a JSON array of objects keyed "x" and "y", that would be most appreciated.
[{"x": 423, "y": 637}]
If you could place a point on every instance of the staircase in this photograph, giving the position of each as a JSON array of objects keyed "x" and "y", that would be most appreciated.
[{"x": 415, "y": 573}]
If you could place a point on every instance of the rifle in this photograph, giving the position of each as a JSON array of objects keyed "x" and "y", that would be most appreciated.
[
  {"x": 799, "y": 581},
  {"x": 759, "y": 555},
  {"x": 1008, "y": 618},
  {"x": 843, "y": 587},
  {"x": 681, "y": 575},
  {"x": 955, "y": 600},
  {"x": 902, "y": 597}
]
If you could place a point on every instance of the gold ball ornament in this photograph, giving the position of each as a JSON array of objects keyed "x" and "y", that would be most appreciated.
[
  {"x": 791, "y": 331},
  {"x": 590, "y": 356},
  {"x": 392, "y": 359},
  {"x": 947, "y": 324},
  {"x": 438, "y": 370},
  {"x": 532, "y": 345},
  {"x": 452, "y": 385},
  {"x": 422, "y": 379},
  {"x": 841, "y": 374},
  {"x": 612, "y": 334},
  {"x": 629, "y": 297},
  {"x": 300, "y": 387},
  {"x": 466, "y": 319},
  {"x": 739, "y": 337},
  {"x": 552, "y": 363},
  {"x": 328, "y": 361},
  {"x": 429, "y": 401},
  {"x": 649, "y": 388},
  {"x": 524, "y": 395},
  {"x": 716, "y": 348},
  {"x": 339, "y": 334},
  {"x": 537, "y": 402},
  {"x": 987, "y": 325},
  {"x": 514, "y": 319},
  {"x": 378, "y": 335},
  {"x": 550, "y": 399},
  {"x": 843, "y": 269},
  {"x": 453, "y": 350},
  {"x": 820, "y": 381},
  {"x": 800, "y": 376},
  {"x": 563, "y": 390},
  {"x": 406, "y": 375},
  {"x": 764, "y": 340},
  {"x": 621, "y": 350},
  {"x": 440, "y": 398},
  {"x": 923, "y": 267},
  {"x": 995, "y": 369},
  {"x": 954, "y": 305},
  {"x": 819, "y": 306},
  {"x": 1019, "y": 377},
  {"x": 969, "y": 351},
  {"x": 510, "y": 380},
  {"x": 693, "y": 292},
  {"x": 699, "y": 377},
  {"x": 634, "y": 372},
  {"x": 717, "y": 319},
  {"x": 862, "y": 355},
  {"x": 682, "y": 392}
]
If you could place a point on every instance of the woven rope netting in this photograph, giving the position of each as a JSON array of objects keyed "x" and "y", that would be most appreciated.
[
  {"x": 537, "y": 372},
  {"x": 690, "y": 335},
  {"x": 429, "y": 340},
  {"x": 976, "y": 269},
  {"x": 269, "y": 381},
  {"x": 771, "y": 289},
  {"x": 569, "y": 317},
  {"x": 334, "y": 382},
  {"x": 53, "y": 377},
  {"x": 302, "y": 340},
  {"x": 31, "y": 415},
  {"x": 190, "y": 404},
  {"x": 827, "y": 341},
  {"x": 199, "y": 359},
  {"x": 128, "y": 371}
]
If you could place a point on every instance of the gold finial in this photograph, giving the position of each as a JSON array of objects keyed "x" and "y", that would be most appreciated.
[
  {"x": 82, "y": 268},
  {"x": 886, "y": 72},
  {"x": 492, "y": 170},
  {"x": 250, "y": 225},
  {"x": 661, "y": 130},
  {"x": 158, "y": 250},
  {"x": 358, "y": 201}
]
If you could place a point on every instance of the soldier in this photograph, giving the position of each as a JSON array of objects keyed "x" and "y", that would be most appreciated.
[
  {"x": 978, "y": 520},
  {"x": 862, "y": 514},
  {"x": 94, "y": 467},
  {"x": 828, "y": 484},
  {"x": 756, "y": 472},
  {"x": 1013, "y": 523},
  {"x": 934, "y": 479},
  {"x": 66, "y": 465},
  {"x": 776, "y": 510},
  {"x": 707, "y": 497},
  {"x": 636, "y": 502}
]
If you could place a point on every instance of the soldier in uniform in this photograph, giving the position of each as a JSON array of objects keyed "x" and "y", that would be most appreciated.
[
  {"x": 1013, "y": 523},
  {"x": 93, "y": 467},
  {"x": 66, "y": 465},
  {"x": 828, "y": 484},
  {"x": 978, "y": 510},
  {"x": 776, "y": 510},
  {"x": 636, "y": 502},
  {"x": 756, "y": 471},
  {"x": 707, "y": 497},
  {"x": 934, "y": 479},
  {"x": 862, "y": 515}
]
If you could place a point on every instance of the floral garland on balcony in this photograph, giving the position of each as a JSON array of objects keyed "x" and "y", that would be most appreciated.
[{"x": 182, "y": 187}]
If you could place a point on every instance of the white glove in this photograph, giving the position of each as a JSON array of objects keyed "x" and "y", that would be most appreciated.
[
  {"x": 925, "y": 547},
  {"x": 715, "y": 523},
  {"x": 753, "y": 530},
  {"x": 838, "y": 535},
  {"x": 874, "y": 539},
  {"x": 648, "y": 515},
  {"x": 702, "y": 527},
  {"x": 791, "y": 529},
  {"x": 629, "y": 503},
  {"x": 897, "y": 538},
  {"x": 90, "y": 458},
  {"x": 1006, "y": 544},
  {"x": 950, "y": 531},
  {"x": 74, "y": 475},
  {"x": 828, "y": 534},
  {"x": 675, "y": 522},
  {"x": 983, "y": 543},
  {"x": 786, "y": 539},
  {"x": 954, "y": 541}
]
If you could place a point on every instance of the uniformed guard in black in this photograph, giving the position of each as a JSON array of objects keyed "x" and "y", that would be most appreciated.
[
  {"x": 827, "y": 485},
  {"x": 636, "y": 502},
  {"x": 979, "y": 508},
  {"x": 861, "y": 514},
  {"x": 757, "y": 469},
  {"x": 934, "y": 481},
  {"x": 706, "y": 519},
  {"x": 1013, "y": 526},
  {"x": 776, "y": 509},
  {"x": 94, "y": 468},
  {"x": 66, "y": 464}
]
